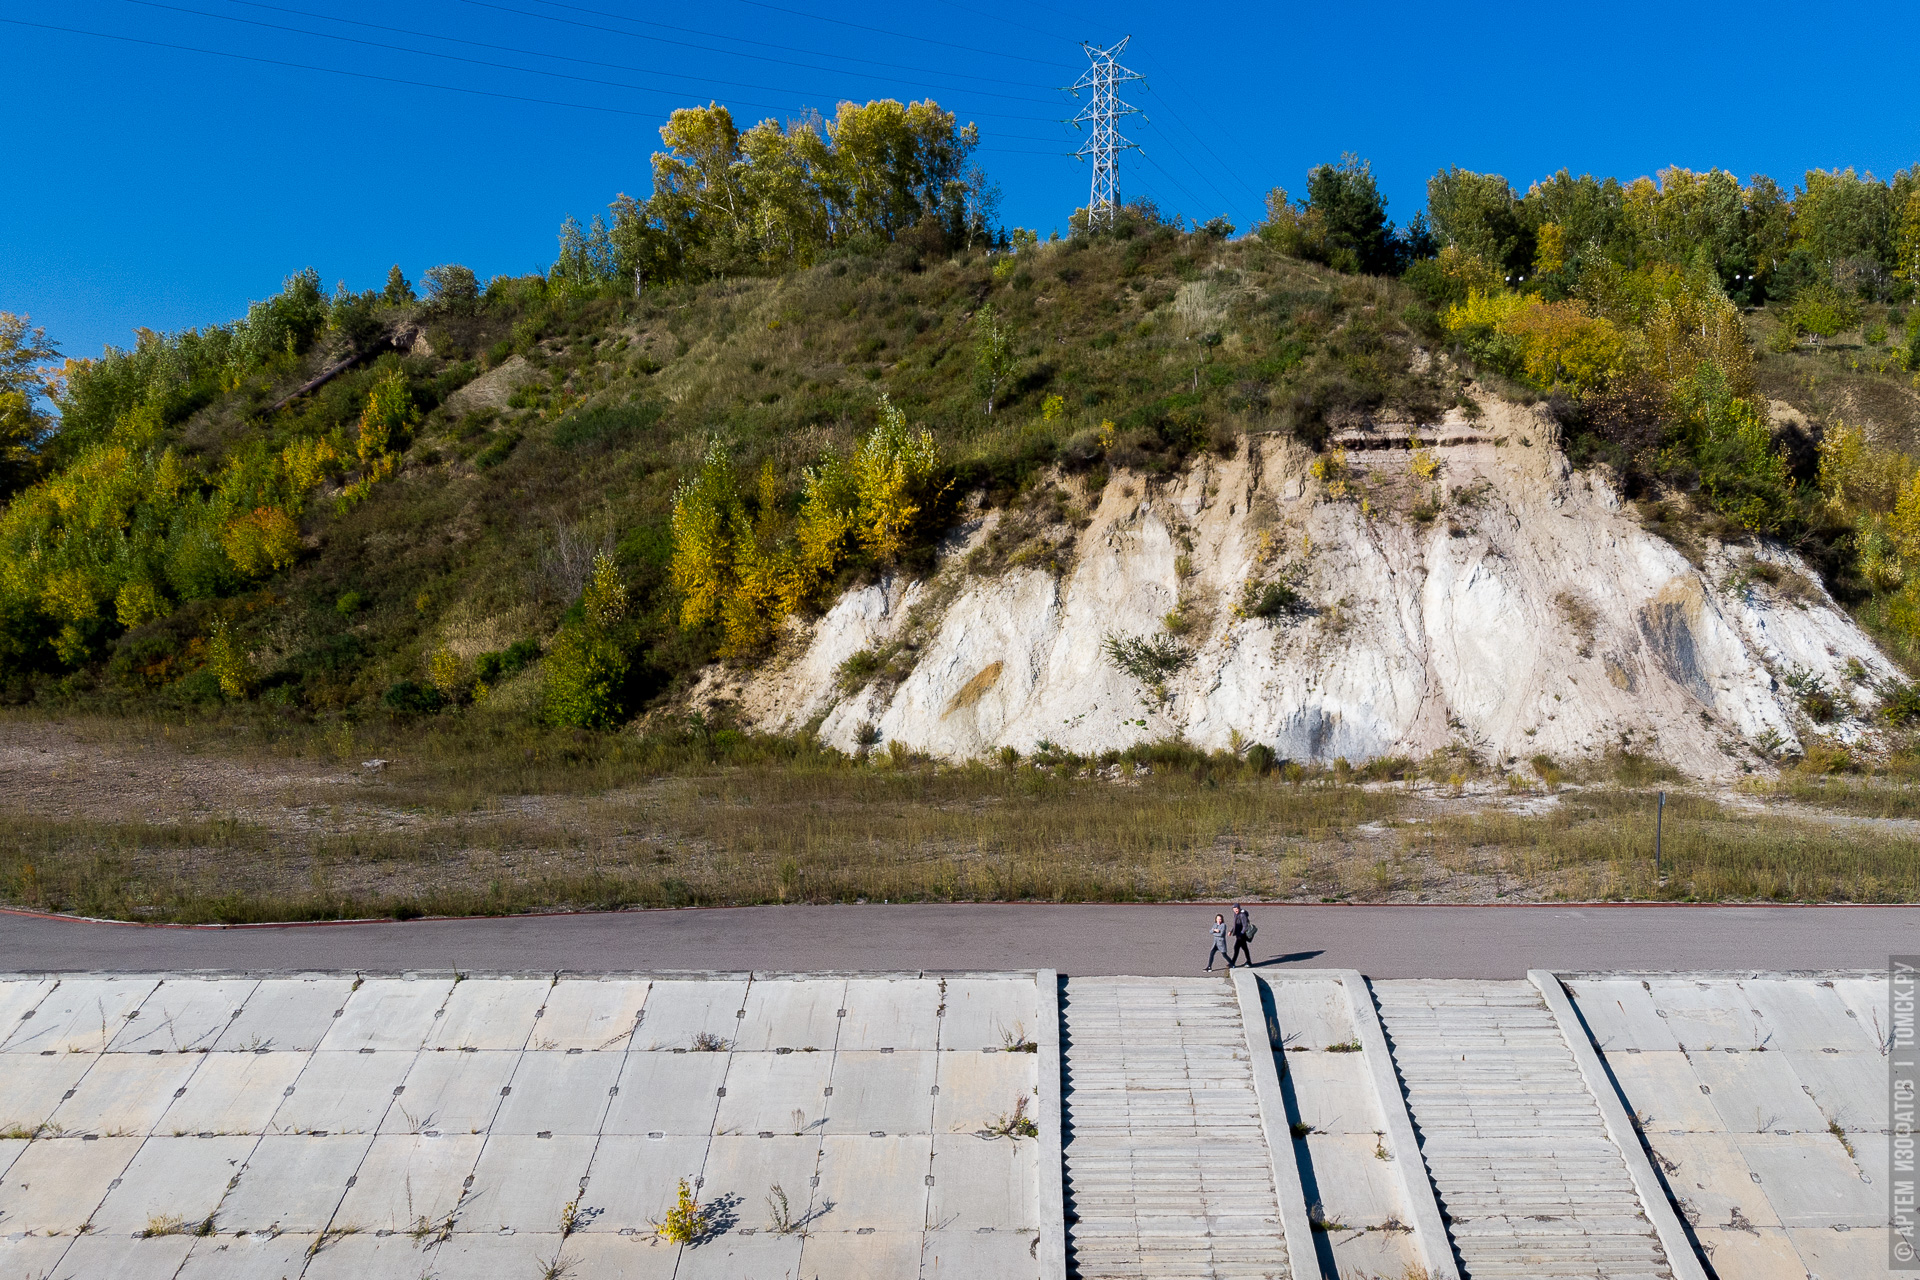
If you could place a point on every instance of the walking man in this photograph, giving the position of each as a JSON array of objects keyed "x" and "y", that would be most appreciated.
[
  {"x": 1221, "y": 947},
  {"x": 1242, "y": 933}
]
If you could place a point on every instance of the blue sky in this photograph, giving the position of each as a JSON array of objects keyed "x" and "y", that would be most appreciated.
[{"x": 160, "y": 187}]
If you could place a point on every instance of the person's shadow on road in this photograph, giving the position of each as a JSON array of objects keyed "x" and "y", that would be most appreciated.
[{"x": 1289, "y": 958}]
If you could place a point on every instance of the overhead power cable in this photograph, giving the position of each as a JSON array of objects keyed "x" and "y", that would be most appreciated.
[
  {"x": 482, "y": 62},
  {"x": 1231, "y": 172},
  {"x": 718, "y": 35},
  {"x": 399, "y": 80},
  {"x": 897, "y": 35}
]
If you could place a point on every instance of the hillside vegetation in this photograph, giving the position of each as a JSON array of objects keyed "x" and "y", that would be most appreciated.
[{"x": 555, "y": 498}]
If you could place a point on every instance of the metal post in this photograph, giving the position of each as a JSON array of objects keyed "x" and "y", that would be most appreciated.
[{"x": 1659, "y": 820}]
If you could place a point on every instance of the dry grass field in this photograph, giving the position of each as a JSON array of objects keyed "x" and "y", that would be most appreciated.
[{"x": 142, "y": 820}]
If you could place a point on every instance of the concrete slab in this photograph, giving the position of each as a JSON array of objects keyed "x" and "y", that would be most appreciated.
[
  {"x": 594, "y": 1015},
  {"x": 182, "y": 1179},
  {"x": 634, "y": 1180},
  {"x": 10, "y": 1150},
  {"x": 777, "y": 1093},
  {"x": 1757, "y": 1092},
  {"x": 1349, "y": 1182},
  {"x": 35, "y": 1086},
  {"x": 887, "y": 1092},
  {"x": 117, "y": 1257},
  {"x": 1842, "y": 1255},
  {"x": 558, "y": 1093},
  {"x": 183, "y": 1016},
  {"x": 249, "y": 1257},
  {"x": 829, "y": 1254},
  {"x": 737, "y": 1257},
  {"x": 1368, "y": 1255},
  {"x": 1849, "y": 1088},
  {"x": 1708, "y": 1175},
  {"x": 983, "y": 1011},
  {"x": 1310, "y": 1013},
  {"x": 293, "y": 1183},
  {"x": 1332, "y": 1091},
  {"x": 388, "y": 1013},
  {"x": 959, "y": 1255},
  {"x": 408, "y": 1183},
  {"x": 519, "y": 1256},
  {"x": 1701, "y": 1015},
  {"x": 523, "y": 1183},
  {"x": 18, "y": 998},
  {"x": 1868, "y": 999},
  {"x": 485, "y": 1013},
  {"x": 125, "y": 1094},
  {"x": 981, "y": 1184},
  {"x": 1664, "y": 1092},
  {"x": 1812, "y": 1182},
  {"x": 791, "y": 1014},
  {"x": 876, "y": 1182},
  {"x": 679, "y": 1011},
  {"x": 80, "y": 1015},
  {"x": 1804, "y": 1014},
  {"x": 56, "y": 1183},
  {"x": 740, "y": 1174},
  {"x": 668, "y": 1093},
  {"x": 232, "y": 1093},
  {"x": 286, "y": 1013},
  {"x": 366, "y": 1256},
  {"x": 614, "y": 1257},
  {"x": 1620, "y": 1015},
  {"x": 977, "y": 1088},
  {"x": 1756, "y": 1253},
  {"x": 451, "y": 1092},
  {"x": 342, "y": 1092},
  {"x": 902, "y": 1014},
  {"x": 31, "y": 1257}
]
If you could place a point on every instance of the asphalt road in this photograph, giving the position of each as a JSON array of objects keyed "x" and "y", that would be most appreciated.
[{"x": 1148, "y": 940}]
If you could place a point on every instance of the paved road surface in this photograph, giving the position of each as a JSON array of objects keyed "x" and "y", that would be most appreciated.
[{"x": 1148, "y": 940}]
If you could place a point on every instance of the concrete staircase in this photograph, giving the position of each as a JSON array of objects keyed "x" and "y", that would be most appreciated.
[
  {"x": 1167, "y": 1168},
  {"x": 1516, "y": 1148}
]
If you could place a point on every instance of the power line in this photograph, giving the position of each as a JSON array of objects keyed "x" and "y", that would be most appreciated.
[
  {"x": 482, "y": 62},
  {"x": 1198, "y": 172},
  {"x": 898, "y": 35},
  {"x": 715, "y": 35},
  {"x": 1234, "y": 173},
  {"x": 399, "y": 80}
]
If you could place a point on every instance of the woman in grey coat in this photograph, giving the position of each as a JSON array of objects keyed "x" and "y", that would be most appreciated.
[{"x": 1221, "y": 947}]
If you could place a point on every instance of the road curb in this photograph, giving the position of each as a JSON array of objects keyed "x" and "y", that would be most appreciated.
[
  {"x": 1052, "y": 1254},
  {"x": 1653, "y": 1193}
]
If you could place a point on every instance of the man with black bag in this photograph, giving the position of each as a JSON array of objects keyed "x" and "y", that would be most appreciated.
[{"x": 1242, "y": 933}]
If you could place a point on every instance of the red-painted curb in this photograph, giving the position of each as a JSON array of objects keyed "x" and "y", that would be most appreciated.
[{"x": 1306, "y": 906}]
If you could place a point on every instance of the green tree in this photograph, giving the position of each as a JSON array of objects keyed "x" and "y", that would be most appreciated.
[
  {"x": 1358, "y": 236},
  {"x": 992, "y": 353},
  {"x": 588, "y": 664},
  {"x": 24, "y": 425},
  {"x": 1480, "y": 213},
  {"x": 399, "y": 290}
]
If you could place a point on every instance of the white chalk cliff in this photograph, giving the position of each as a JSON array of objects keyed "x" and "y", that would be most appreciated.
[{"x": 1526, "y": 611}]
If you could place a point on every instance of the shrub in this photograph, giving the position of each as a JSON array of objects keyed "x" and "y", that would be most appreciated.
[
  {"x": 1148, "y": 659},
  {"x": 410, "y": 697}
]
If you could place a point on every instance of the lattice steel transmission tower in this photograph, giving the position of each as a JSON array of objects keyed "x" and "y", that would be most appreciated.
[{"x": 1103, "y": 78}]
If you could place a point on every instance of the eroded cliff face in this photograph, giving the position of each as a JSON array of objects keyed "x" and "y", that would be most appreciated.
[{"x": 1502, "y": 602}]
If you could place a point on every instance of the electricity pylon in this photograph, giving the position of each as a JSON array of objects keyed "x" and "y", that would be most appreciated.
[{"x": 1103, "y": 113}]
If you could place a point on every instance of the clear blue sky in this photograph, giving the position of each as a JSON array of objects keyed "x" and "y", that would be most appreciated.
[{"x": 154, "y": 186}]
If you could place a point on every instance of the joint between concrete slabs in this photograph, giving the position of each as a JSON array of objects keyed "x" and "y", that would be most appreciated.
[
  {"x": 1430, "y": 1231},
  {"x": 1303, "y": 1261},
  {"x": 1653, "y": 1193},
  {"x": 1052, "y": 1253}
]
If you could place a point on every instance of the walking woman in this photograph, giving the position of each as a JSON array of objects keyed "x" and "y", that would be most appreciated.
[{"x": 1221, "y": 947}]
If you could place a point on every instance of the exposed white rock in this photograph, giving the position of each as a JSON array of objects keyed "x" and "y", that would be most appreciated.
[{"x": 1533, "y": 614}]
